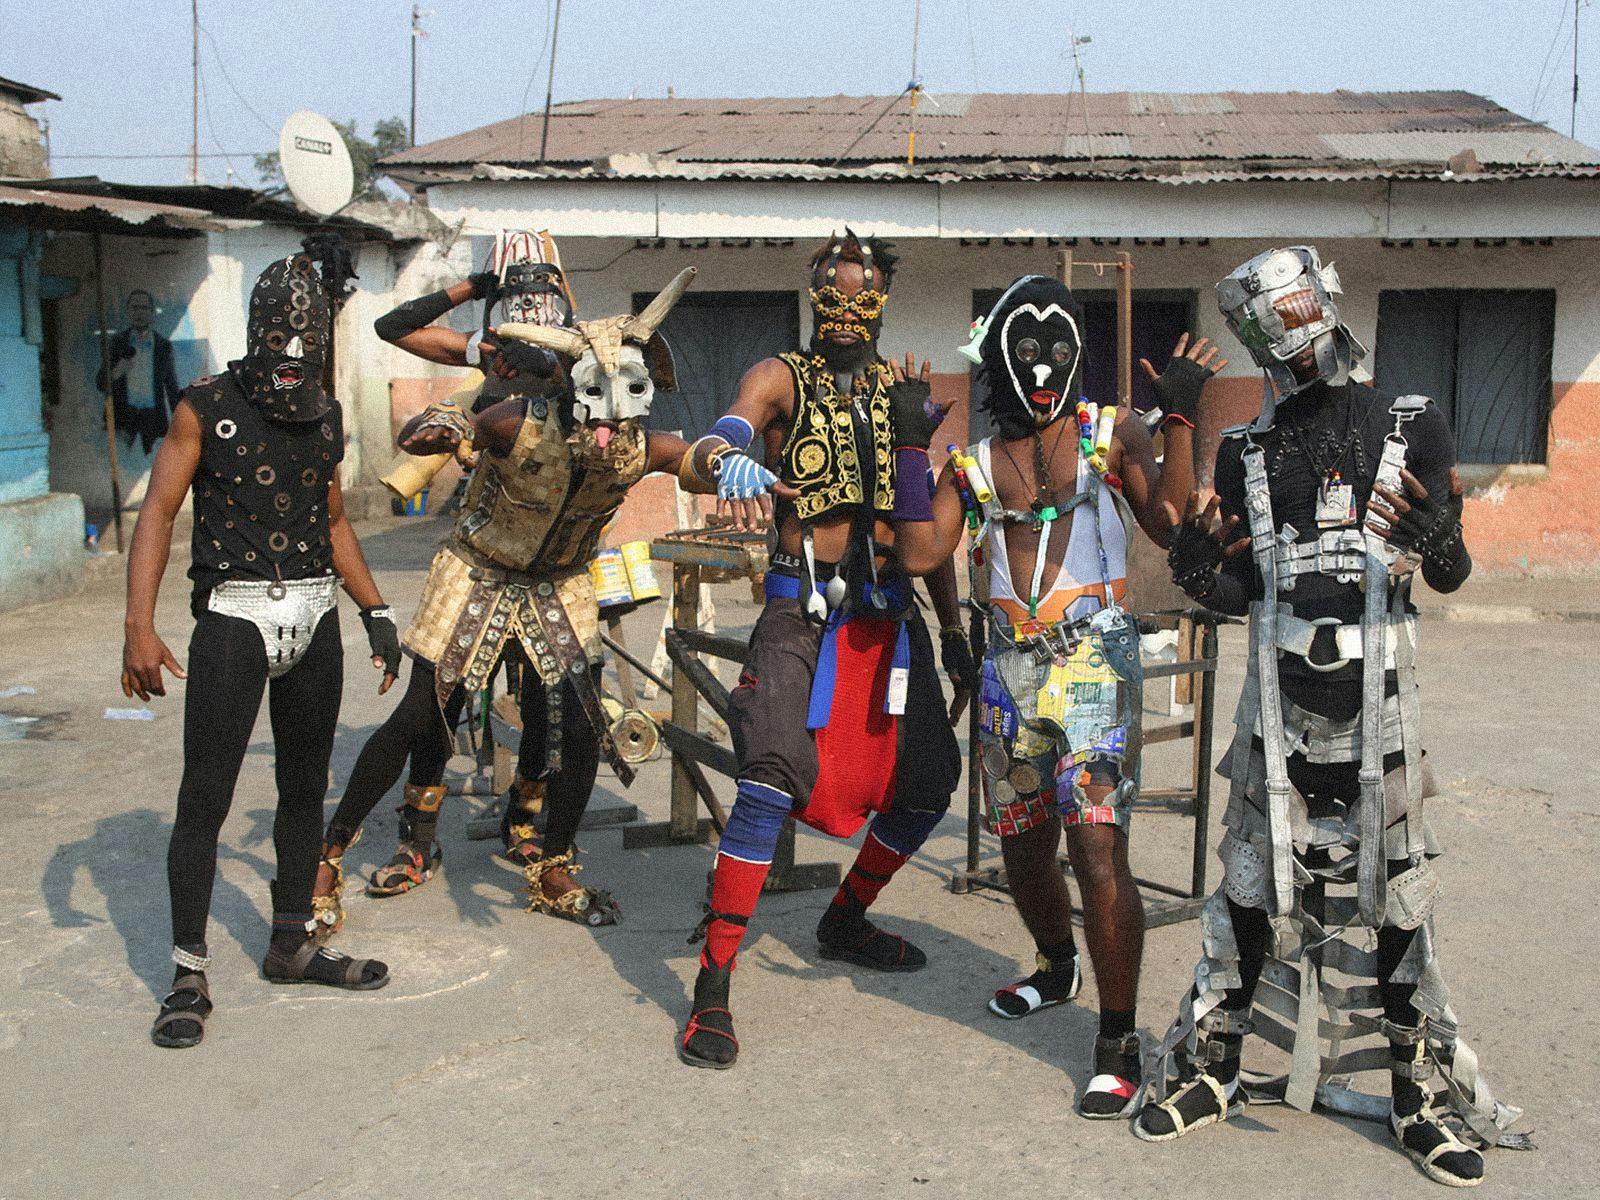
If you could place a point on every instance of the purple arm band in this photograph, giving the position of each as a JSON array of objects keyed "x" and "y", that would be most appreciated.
[{"x": 912, "y": 503}]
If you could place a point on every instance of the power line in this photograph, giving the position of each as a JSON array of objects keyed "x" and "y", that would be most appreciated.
[
  {"x": 1549, "y": 54},
  {"x": 893, "y": 100},
  {"x": 216, "y": 52},
  {"x": 124, "y": 157}
]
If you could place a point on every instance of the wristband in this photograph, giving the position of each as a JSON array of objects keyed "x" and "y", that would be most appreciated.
[
  {"x": 911, "y": 502},
  {"x": 736, "y": 431}
]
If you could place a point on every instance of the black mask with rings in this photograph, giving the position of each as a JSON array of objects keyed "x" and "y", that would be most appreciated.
[{"x": 286, "y": 342}]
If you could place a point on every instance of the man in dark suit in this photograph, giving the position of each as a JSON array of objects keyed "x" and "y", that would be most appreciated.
[{"x": 144, "y": 384}]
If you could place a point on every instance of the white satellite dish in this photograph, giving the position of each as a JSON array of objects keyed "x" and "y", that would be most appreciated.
[{"x": 316, "y": 163}]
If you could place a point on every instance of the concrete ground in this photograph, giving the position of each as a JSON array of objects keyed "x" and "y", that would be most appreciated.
[{"x": 515, "y": 1055}]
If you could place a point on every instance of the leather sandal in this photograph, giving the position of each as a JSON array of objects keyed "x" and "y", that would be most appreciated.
[
  {"x": 177, "y": 1009},
  {"x": 342, "y": 971}
]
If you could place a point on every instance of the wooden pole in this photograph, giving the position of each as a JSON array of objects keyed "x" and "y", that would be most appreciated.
[
  {"x": 685, "y": 704},
  {"x": 1124, "y": 331},
  {"x": 110, "y": 406}
]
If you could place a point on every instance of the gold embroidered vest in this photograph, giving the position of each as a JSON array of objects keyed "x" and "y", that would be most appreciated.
[
  {"x": 819, "y": 456},
  {"x": 540, "y": 508}
]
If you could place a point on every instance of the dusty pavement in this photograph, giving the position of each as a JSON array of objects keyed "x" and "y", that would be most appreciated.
[{"x": 519, "y": 1056}]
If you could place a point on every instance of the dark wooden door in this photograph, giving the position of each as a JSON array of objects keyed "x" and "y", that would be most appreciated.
[{"x": 715, "y": 338}]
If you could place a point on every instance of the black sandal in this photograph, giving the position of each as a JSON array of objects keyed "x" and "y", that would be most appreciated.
[
  {"x": 188, "y": 1003},
  {"x": 311, "y": 962}
]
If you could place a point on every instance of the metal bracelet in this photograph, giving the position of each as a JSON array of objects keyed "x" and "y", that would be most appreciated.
[{"x": 193, "y": 962}]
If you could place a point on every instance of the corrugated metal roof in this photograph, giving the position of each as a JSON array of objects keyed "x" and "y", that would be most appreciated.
[
  {"x": 1283, "y": 132},
  {"x": 26, "y": 92},
  {"x": 61, "y": 210}
]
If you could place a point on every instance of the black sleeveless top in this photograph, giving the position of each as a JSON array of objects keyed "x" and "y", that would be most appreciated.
[{"x": 260, "y": 490}]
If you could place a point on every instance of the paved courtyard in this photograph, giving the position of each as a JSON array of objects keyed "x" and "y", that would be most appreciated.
[{"x": 515, "y": 1055}]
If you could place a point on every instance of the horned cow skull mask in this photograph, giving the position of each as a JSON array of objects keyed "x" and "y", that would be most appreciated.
[{"x": 618, "y": 362}]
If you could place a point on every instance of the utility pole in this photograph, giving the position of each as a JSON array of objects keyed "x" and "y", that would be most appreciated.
[
  {"x": 1572, "y": 127},
  {"x": 550, "y": 84},
  {"x": 194, "y": 139},
  {"x": 417, "y": 13}
]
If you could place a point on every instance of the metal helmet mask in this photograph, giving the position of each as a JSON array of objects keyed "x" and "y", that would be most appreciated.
[
  {"x": 286, "y": 342},
  {"x": 1281, "y": 306},
  {"x": 1030, "y": 349}
]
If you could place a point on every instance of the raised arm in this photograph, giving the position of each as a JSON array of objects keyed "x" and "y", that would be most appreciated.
[
  {"x": 718, "y": 463},
  {"x": 144, "y": 654},
  {"x": 1149, "y": 486},
  {"x": 411, "y": 328}
]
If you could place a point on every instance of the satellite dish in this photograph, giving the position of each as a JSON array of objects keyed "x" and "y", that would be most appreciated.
[{"x": 316, "y": 163}]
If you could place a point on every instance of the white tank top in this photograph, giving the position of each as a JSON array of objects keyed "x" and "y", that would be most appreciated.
[{"x": 1081, "y": 580}]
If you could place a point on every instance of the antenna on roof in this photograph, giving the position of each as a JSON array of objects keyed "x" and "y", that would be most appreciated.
[
  {"x": 1083, "y": 91},
  {"x": 550, "y": 84},
  {"x": 915, "y": 86}
]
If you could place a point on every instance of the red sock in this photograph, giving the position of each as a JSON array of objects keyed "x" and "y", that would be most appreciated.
[
  {"x": 735, "y": 887},
  {"x": 873, "y": 868}
]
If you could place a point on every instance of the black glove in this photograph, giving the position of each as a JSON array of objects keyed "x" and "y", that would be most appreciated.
[
  {"x": 955, "y": 653},
  {"x": 912, "y": 413},
  {"x": 383, "y": 637},
  {"x": 484, "y": 284},
  {"x": 1194, "y": 556},
  {"x": 1427, "y": 526},
  {"x": 127, "y": 351},
  {"x": 1178, "y": 388},
  {"x": 526, "y": 359}
]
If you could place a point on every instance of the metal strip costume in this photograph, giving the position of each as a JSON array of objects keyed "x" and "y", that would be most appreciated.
[{"x": 1327, "y": 840}]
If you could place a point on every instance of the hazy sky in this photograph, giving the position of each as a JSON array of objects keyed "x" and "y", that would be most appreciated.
[{"x": 123, "y": 69}]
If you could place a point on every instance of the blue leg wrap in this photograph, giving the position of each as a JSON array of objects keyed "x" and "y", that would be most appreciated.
[
  {"x": 755, "y": 822},
  {"x": 903, "y": 830}
]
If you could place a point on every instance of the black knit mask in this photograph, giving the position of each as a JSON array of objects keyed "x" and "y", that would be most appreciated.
[
  {"x": 286, "y": 342},
  {"x": 1031, "y": 350}
]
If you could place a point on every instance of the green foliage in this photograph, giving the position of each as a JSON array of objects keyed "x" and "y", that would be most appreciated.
[{"x": 388, "y": 137}]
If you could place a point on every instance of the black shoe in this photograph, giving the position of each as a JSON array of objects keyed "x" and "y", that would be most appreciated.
[
  {"x": 850, "y": 937},
  {"x": 708, "y": 1039},
  {"x": 1114, "y": 1090}
]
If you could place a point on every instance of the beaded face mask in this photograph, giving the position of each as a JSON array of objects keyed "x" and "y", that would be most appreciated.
[{"x": 861, "y": 314}]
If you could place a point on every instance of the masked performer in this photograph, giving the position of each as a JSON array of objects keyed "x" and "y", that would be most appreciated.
[
  {"x": 260, "y": 444},
  {"x": 514, "y": 579},
  {"x": 1061, "y": 680},
  {"x": 1344, "y": 492},
  {"x": 838, "y": 715},
  {"x": 525, "y": 284}
]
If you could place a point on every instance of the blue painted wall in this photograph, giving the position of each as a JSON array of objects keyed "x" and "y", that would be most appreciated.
[{"x": 24, "y": 445}]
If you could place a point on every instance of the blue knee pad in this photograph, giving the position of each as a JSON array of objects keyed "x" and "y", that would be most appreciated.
[
  {"x": 755, "y": 822},
  {"x": 904, "y": 830}
]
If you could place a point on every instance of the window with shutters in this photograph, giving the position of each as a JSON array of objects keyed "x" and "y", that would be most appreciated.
[{"x": 1483, "y": 355}]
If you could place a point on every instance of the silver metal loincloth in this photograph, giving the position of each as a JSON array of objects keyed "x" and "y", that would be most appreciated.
[{"x": 285, "y": 611}]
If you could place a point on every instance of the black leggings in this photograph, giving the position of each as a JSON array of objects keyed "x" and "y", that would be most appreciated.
[
  {"x": 418, "y": 728},
  {"x": 1321, "y": 785},
  {"x": 227, "y": 674}
]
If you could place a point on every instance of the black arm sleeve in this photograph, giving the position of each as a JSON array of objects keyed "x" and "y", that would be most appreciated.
[
  {"x": 1430, "y": 454},
  {"x": 412, "y": 316},
  {"x": 1236, "y": 582}
]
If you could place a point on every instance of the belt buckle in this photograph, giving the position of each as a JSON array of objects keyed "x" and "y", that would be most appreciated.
[{"x": 1323, "y": 622}]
